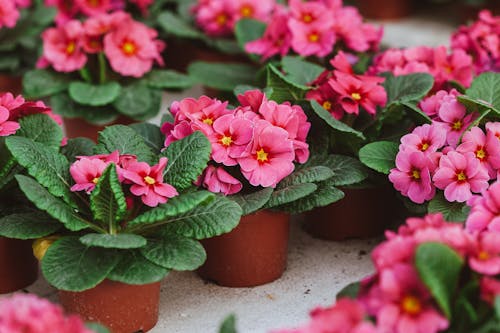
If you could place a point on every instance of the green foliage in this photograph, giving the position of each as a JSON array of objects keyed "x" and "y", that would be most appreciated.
[
  {"x": 247, "y": 30},
  {"x": 187, "y": 158},
  {"x": 116, "y": 241},
  {"x": 228, "y": 325},
  {"x": 96, "y": 327},
  {"x": 135, "y": 99},
  {"x": 300, "y": 71},
  {"x": 307, "y": 175},
  {"x": 252, "y": 202},
  {"x": 335, "y": 124},
  {"x": 41, "y": 82},
  {"x": 151, "y": 134},
  {"x": 350, "y": 291},
  {"x": 283, "y": 89},
  {"x": 134, "y": 268},
  {"x": 290, "y": 194},
  {"x": 41, "y": 128},
  {"x": 176, "y": 26},
  {"x": 71, "y": 265},
  {"x": 452, "y": 211},
  {"x": 485, "y": 91},
  {"x": 346, "y": 170},
  {"x": 380, "y": 156},
  {"x": 77, "y": 147},
  {"x": 430, "y": 259},
  {"x": 63, "y": 105},
  {"x": 407, "y": 88},
  {"x": 222, "y": 76},
  {"x": 94, "y": 94},
  {"x": 168, "y": 79},
  {"x": 27, "y": 225}
]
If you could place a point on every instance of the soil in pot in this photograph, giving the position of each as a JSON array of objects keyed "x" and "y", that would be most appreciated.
[
  {"x": 123, "y": 308},
  {"x": 252, "y": 254},
  {"x": 362, "y": 213},
  {"x": 18, "y": 266},
  {"x": 78, "y": 127}
]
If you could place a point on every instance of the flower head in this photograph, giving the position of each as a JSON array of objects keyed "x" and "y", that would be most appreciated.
[
  {"x": 86, "y": 173},
  {"x": 218, "y": 180}
]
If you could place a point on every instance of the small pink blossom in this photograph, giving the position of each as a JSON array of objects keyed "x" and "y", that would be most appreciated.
[
  {"x": 214, "y": 17},
  {"x": 456, "y": 66},
  {"x": 312, "y": 39},
  {"x": 245, "y": 9},
  {"x": 218, "y": 180},
  {"x": 7, "y": 127},
  {"x": 485, "y": 211},
  {"x": 426, "y": 138},
  {"x": 94, "y": 7},
  {"x": 9, "y": 13},
  {"x": 486, "y": 148},
  {"x": 490, "y": 289},
  {"x": 86, "y": 172},
  {"x": 431, "y": 105},
  {"x": 454, "y": 117},
  {"x": 486, "y": 259}
]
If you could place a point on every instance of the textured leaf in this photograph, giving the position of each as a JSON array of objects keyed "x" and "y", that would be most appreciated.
[
  {"x": 306, "y": 175},
  {"x": 176, "y": 26},
  {"x": 151, "y": 134},
  {"x": 70, "y": 265},
  {"x": 78, "y": 147},
  {"x": 406, "y": 88},
  {"x": 223, "y": 76},
  {"x": 485, "y": 89},
  {"x": 335, "y": 124},
  {"x": 63, "y": 105},
  {"x": 187, "y": 158},
  {"x": 174, "y": 206},
  {"x": 27, "y": 225},
  {"x": 290, "y": 194},
  {"x": 53, "y": 206},
  {"x": 107, "y": 200},
  {"x": 212, "y": 219},
  {"x": 346, "y": 170},
  {"x": 154, "y": 108},
  {"x": 94, "y": 94},
  {"x": 41, "y": 128},
  {"x": 133, "y": 100},
  {"x": 117, "y": 241},
  {"x": 380, "y": 156},
  {"x": 126, "y": 141},
  {"x": 300, "y": 71},
  {"x": 168, "y": 79},
  {"x": 430, "y": 258},
  {"x": 46, "y": 165},
  {"x": 452, "y": 211},
  {"x": 40, "y": 83},
  {"x": 134, "y": 268},
  {"x": 282, "y": 88},
  {"x": 252, "y": 202},
  {"x": 175, "y": 252}
]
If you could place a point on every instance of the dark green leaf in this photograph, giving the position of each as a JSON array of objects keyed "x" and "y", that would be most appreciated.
[
  {"x": 485, "y": 89},
  {"x": 252, "y": 202},
  {"x": 27, "y": 225},
  {"x": 407, "y": 88},
  {"x": 40, "y": 83},
  {"x": 290, "y": 194},
  {"x": 228, "y": 325},
  {"x": 223, "y": 76},
  {"x": 247, "y": 30},
  {"x": 168, "y": 79},
  {"x": 78, "y": 147},
  {"x": 420, "y": 115},
  {"x": 452, "y": 211},
  {"x": 63, "y": 105},
  {"x": 350, "y": 291},
  {"x": 94, "y": 94},
  {"x": 117, "y": 241},
  {"x": 335, "y": 124},
  {"x": 151, "y": 134},
  {"x": 174, "y": 25},
  {"x": 346, "y": 170},
  {"x": 300, "y": 71},
  {"x": 41, "y": 128},
  {"x": 282, "y": 88},
  {"x": 133, "y": 100},
  {"x": 380, "y": 156},
  {"x": 134, "y": 268},
  {"x": 306, "y": 175}
]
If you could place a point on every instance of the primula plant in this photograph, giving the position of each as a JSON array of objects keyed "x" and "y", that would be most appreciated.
[
  {"x": 102, "y": 68},
  {"x": 120, "y": 210}
]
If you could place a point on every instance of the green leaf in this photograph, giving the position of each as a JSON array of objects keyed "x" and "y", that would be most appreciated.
[
  {"x": 224, "y": 45},
  {"x": 346, "y": 170},
  {"x": 27, "y": 225},
  {"x": 290, "y": 194},
  {"x": 380, "y": 156},
  {"x": 117, "y": 241},
  {"x": 41, "y": 128},
  {"x": 174, "y": 25},
  {"x": 452, "y": 211},
  {"x": 252, "y": 202},
  {"x": 300, "y": 71},
  {"x": 46, "y": 165},
  {"x": 175, "y": 252},
  {"x": 94, "y": 94},
  {"x": 133, "y": 100},
  {"x": 212, "y": 219},
  {"x": 283, "y": 89},
  {"x": 306, "y": 175},
  {"x": 228, "y": 325},
  {"x": 168, "y": 79},
  {"x": 53, "y": 206},
  {"x": 70, "y": 265},
  {"x": 107, "y": 200},
  {"x": 63, "y": 105},
  {"x": 187, "y": 158},
  {"x": 430, "y": 259},
  {"x": 174, "y": 207},
  {"x": 496, "y": 305},
  {"x": 419, "y": 114},
  {"x": 407, "y": 88},
  {"x": 134, "y": 268},
  {"x": 335, "y": 124},
  {"x": 485, "y": 89},
  {"x": 474, "y": 105},
  {"x": 223, "y": 76},
  {"x": 40, "y": 83},
  {"x": 247, "y": 30},
  {"x": 78, "y": 147},
  {"x": 151, "y": 134},
  {"x": 126, "y": 141},
  {"x": 96, "y": 327},
  {"x": 350, "y": 291}
]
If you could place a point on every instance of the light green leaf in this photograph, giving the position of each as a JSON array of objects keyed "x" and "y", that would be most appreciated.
[
  {"x": 174, "y": 25},
  {"x": 247, "y": 30},
  {"x": 350, "y": 291},
  {"x": 94, "y": 94},
  {"x": 117, "y": 241},
  {"x": 380, "y": 156},
  {"x": 452, "y": 211},
  {"x": 485, "y": 90},
  {"x": 283, "y": 89},
  {"x": 252, "y": 202},
  {"x": 168, "y": 79},
  {"x": 41, "y": 82},
  {"x": 41, "y": 128},
  {"x": 290, "y": 194},
  {"x": 229, "y": 325},
  {"x": 27, "y": 225},
  {"x": 151, "y": 134},
  {"x": 134, "y": 268},
  {"x": 63, "y": 105},
  {"x": 300, "y": 71},
  {"x": 133, "y": 100},
  {"x": 223, "y": 76},
  {"x": 335, "y": 124},
  {"x": 407, "y": 88}
]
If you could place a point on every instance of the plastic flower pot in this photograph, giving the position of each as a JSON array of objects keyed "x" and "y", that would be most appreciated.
[
  {"x": 123, "y": 308},
  {"x": 252, "y": 254},
  {"x": 12, "y": 84},
  {"x": 385, "y": 9},
  {"x": 78, "y": 127},
  {"x": 18, "y": 266},
  {"x": 362, "y": 213}
]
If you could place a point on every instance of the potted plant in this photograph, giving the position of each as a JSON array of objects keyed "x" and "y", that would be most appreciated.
[
  {"x": 19, "y": 118},
  {"x": 101, "y": 71},
  {"x": 260, "y": 159},
  {"x": 20, "y": 40},
  {"x": 120, "y": 220}
]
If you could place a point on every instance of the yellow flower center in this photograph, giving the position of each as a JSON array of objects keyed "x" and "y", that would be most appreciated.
[
  {"x": 424, "y": 146},
  {"x": 70, "y": 48},
  {"x": 129, "y": 48},
  {"x": 313, "y": 37},
  {"x": 327, "y": 105},
  {"x": 226, "y": 140},
  {"x": 95, "y": 180},
  {"x": 149, "y": 180},
  {"x": 356, "y": 96},
  {"x": 93, "y": 3},
  {"x": 483, "y": 255},
  {"x": 41, "y": 245},
  {"x": 411, "y": 305},
  {"x": 457, "y": 125},
  {"x": 307, "y": 18},
  {"x": 246, "y": 11},
  {"x": 208, "y": 121},
  {"x": 461, "y": 176},
  {"x": 262, "y": 155},
  {"x": 221, "y": 19},
  {"x": 415, "y": 174},
  {"x": 481, "y": 154}
]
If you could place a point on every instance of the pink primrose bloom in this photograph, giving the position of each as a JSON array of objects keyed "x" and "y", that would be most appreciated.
[
  {"x": 242, "y": 9},
  {"x": 143, "y": 5},
  {"x": 313, "y": 39},
  {"x": 66, "y": 10},
  {"x": 148, "y": 182},
  {"x": 459, "y": 175},
  {"x": 62, "y": 47},
  {"x": 485, "y": 211},
  {"x": 218, "y": 180},
  {"x": 456, "y": 66},
  {"x": 486, "y": 259},
  {"x": 252, "y": 99},
  {"x": 131, "y": 49},
  {"x": 7, "y": 127},
  {"x": 30, "y": 314},
  {"x": 98, "y": 26},
  {"x": 328, "y": 99},
  {"x": 214, "y": 17},
  {"x": 349, "y": 28},
  {"x": 397, "y": 249},
  {"x": 454, "y": 117},
  {"x": 431, "y": 105},
  {"x": 270, "y": 157},
  {"x": 308, "y": 13},
  {"x": 204, "y": 111},
  {"x": 412, "y": 176},
  {"x": 486, "y": 148},
  {"x": 426, "y": 138},
  {"x": 341, "y": 63},
  {"x": 10, "y": 102},
  {"x": 176, "y": 132},
  {"x": 490, "y": 288},
  {"x": 86, "y": 173},
  {"x": 9, "y": 14},
  {"x": 94, "y": 7}
]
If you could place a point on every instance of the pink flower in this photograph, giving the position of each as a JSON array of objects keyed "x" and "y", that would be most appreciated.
[
  {"x": 30, "y": 314},
  {"x": 131, "y": 49},
  {"x": 459, "y": 175},
  {"x": 7, "y": 127},
  {"x": 358, "y": 36},
  {"x": 66, "y": 10},
  {"x": 176, "y": 132},
  {"x": 148, "y": 182},
  {"x": 308, "y": 13},
  {"x": 248, "y": 9},
  {"x": 456, "y": 66},
  {"x": 412, "y": 176},
  {"x": 486, "y": 259},
  {"x": 218, "y": 180},
  {"x": 214, "y": 17},
  {"x": 312, "y": 39},
  {"x": 62, "y": 47},
  {"x": 94, "y": 7},
  {"x": 9, "y": 14},
  {"x": 431, "y": 105},
  {"x": 453, "y": 115},
  {"x": 426, "y": 138},
  {"x": 490, "y": 288},
  {"x": 486, "y": 148},
  {"x": 485, "y": 212},
  {"x": 86, "y": 173},
  {"x": 270, "y": 157},
  {"x": 143, "y": 5}
]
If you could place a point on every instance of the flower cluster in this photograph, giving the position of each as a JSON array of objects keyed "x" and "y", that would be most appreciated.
[
  {"x": 67, "y": 10},
  {"x": 28, "y": 313},
  {"x": 341, "y": 91},
  {"x": 260, "y": 139},
  {"x": 481, "y": 40},
  {"x": 397, "y": 300},
  {"x": 129, "y": 46},
  {"x": 143, "y": 180},
  {"x": 433, "y": 156},
  {"x": 443, "y": 66},
  {"x": 219, "y": 17},
  {"x": 10, "y": 13},
  {"x": 315, "y": 28},
  {"x": 13, "y": 108}
]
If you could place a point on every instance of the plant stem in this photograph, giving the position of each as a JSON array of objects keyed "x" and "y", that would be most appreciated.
[
  {"x": 85, "y": 74},
  {"x": 102, "y": 68}
]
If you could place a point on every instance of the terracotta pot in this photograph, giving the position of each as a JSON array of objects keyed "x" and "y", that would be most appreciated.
[
  {"x": 11, "y": 84},
  {"x": 123, "y": 308},
  {"x": 385, "y": 9},
  {"x": 18, "y": 266},
  {"x": 78, "y": 127},
  {"x": 362, "y": 213},
  {"x": 254, "y": 253}
]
